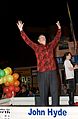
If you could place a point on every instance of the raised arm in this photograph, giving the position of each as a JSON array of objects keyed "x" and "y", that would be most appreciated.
[
  {"x": 54, "y": 42},
  {"x": 25, "y": 37}
]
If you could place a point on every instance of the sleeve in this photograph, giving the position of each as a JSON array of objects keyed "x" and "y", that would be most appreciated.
[
  {"x": 28, "y": 41},
  {"x": 67, "y": 64},
  {"x": 56, "y": 39}
]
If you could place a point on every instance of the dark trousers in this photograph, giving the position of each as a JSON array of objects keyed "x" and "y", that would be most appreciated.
[
  {"x": 48, "y": 82},
  {"x": 71, "y": 83}
]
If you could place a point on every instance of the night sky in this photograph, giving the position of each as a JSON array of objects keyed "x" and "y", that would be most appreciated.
[{"x": 36, "y": 13}]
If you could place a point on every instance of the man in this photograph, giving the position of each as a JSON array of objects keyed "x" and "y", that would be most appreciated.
[{"x": 46, "y": 66}]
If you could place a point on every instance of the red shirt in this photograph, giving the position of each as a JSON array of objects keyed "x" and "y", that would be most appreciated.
[{"x": 44, "y": 53}]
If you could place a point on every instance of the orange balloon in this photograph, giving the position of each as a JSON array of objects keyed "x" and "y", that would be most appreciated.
[
  {"x": 11, "y": 83},
  {"x": 7, "y": 83},
  {"x": 16, "y": 83},
  {"x": 15, "y": 76}
]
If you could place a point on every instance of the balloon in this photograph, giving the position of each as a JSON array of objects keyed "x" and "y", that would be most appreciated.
[
  {"x": 2, "y": 73},
  {"x": 10, "y": 70},
  {"x": 4, "y": 79},
  {"x": 1, "y": 80},
  {"x": 9, "y": 78},
  {"x": 17, "y": 89},
  {"x": 9, "y": 95},
  {"x": 11, "y": 88},
  {"x": 16, "y": 76},
  {"x": 16, "y": 83},
  {"x": 7, "y": 71},
  {"x": 11, "y": 83},
  {"x": 7, "y": 83},
  {"x": 6, "y": 90}
]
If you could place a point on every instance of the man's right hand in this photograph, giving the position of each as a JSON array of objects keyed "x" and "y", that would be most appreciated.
[{"x": 20, "y": 25}]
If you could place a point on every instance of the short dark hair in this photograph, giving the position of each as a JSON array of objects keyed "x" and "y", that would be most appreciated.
[{"x": 66, "y": 54}]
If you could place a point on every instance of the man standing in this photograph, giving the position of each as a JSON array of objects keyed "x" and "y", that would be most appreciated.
[{"x": 46, "y": 66}]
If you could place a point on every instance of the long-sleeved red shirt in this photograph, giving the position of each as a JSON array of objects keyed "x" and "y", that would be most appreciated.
[{"x": 44, "y": 53}]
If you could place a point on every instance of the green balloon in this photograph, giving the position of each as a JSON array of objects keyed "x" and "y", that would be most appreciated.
[{"x": 2, "y": 73}]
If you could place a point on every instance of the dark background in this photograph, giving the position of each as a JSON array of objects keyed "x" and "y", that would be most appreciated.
[{"x": 35, "y": 13}]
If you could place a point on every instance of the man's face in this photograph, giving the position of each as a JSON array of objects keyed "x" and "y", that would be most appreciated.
[
  {"x": 42, "y": 40},
  {"x": 23, "y": 89}
]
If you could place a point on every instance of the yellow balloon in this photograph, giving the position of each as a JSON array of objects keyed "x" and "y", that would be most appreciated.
[
  {"x": 10, "y": 70},
  {"x": 9, "y": 78},
  {"x": 7, "y": 71},
  {"x": 1, "y": 80},
  {"x": 4, "y": 79}
]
